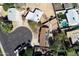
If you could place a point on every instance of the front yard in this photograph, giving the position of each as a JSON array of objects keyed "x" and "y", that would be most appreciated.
[{"x": 33, "y": 25}]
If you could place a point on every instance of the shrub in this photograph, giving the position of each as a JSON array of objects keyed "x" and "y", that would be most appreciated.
[
  {"x": 61, "y": 15},
  {"x": 6, "y": 6}
]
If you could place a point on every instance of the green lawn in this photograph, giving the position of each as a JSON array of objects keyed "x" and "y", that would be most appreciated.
[
  {"x": 27, "y": 52},
  {"x": 33, "y": 25},
  {"x": 71, "y": 52}
]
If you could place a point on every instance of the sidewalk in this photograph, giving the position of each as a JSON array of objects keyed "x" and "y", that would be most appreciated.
[{"x": 2, "y": 49}]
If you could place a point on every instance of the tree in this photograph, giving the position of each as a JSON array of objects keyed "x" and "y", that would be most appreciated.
[
  {"x": 61, "y": 15},
  {"x": 6, "y": 6}
]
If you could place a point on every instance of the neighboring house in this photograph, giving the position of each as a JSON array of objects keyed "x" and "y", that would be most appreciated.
[
  {"x": 64, "y": 6},
  {"x": 58, "y": 6},
  {"x": 45, "y": 7},
  {"x": 34, "y": 15},
  {"x": 14, "y": 15},
  {"x": 72, "y": 17},
  {"x": 66, "y": 18},
  {"x": 74, "y": 35},
  {"x": 68, "y": 5},
  {"x": 15, "y": 41}
]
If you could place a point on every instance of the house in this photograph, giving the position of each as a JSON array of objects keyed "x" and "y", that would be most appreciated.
[
  {"x": 71, "y": 5},
  {"x": 74, "y": 35},
  {"x": 64, "y": 6},
  {"x": 14, "y": 15},
  {"x": 68, "y": 18},
  {"x": 72, "y": 17},
  {"x": 46, "y": 8},
  {"x": 68, "y": 5},
  {"x": 58, "y": 6},
  {"x": 34, "y": 15}
]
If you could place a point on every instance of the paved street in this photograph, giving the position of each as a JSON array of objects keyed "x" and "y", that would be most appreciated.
[{"x": 12, "y": 40}]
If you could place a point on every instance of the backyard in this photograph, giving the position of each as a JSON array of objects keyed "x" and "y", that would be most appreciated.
[
  {"x": 62, "y": 20},
  {"x": 59, "y": 46}
]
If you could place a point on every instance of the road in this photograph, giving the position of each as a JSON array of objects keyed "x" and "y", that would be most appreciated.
[{"x": 12, "y": 40}]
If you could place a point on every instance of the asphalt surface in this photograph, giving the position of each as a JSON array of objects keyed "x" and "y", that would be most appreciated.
[{"x": 12, "y": 40}]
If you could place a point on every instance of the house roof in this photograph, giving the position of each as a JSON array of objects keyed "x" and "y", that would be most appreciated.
[
  {"x": 72, "y": 17},
  {"x": 58, "y": 6},
  {"x": 12, "y": 40},
  {"x": 14, "y": 15},
  {"x": 74, "y": 35},
  {"x": 68, "y": 5},
  {"x": 34, "y": 15}
]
